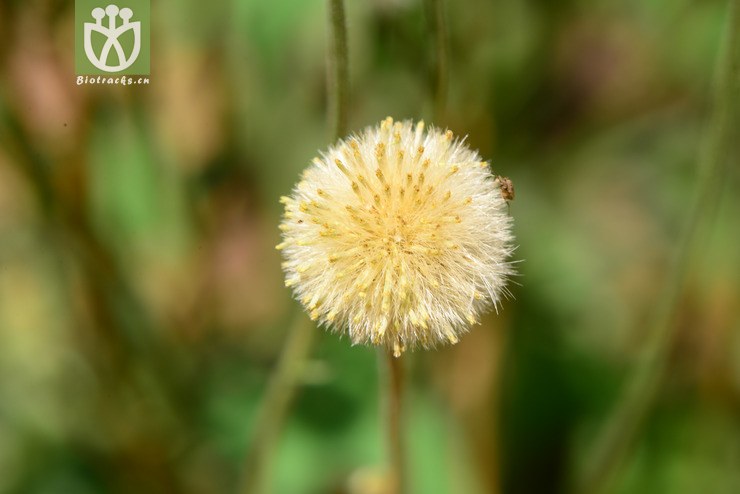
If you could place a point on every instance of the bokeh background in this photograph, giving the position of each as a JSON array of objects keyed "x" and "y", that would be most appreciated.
[{"x": 142, "y": 306}]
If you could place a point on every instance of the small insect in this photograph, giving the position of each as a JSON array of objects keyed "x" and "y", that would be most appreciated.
[{"x": 507, "y": 188}]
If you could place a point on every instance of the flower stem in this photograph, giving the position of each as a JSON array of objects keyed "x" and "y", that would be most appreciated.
[
  {"x": 271, "y": 415},
  {"x": 338, "y": 69},
  {"x": 392, "y": 386},
  {"x": 281, "y": 388},
  {"x": 438, "y": 31},
  {"x": 622, "y": 430}
]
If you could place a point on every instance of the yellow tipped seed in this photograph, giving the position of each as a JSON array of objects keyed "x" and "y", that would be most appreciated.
[
  {"x": 413, "y": 318},
  {"x": 291, "y": 281},
  {"x": 380, "y": 328},
  {"x": 341, "y": 166}
]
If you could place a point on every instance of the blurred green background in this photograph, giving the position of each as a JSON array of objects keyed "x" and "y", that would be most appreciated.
[{"x": 142, "y": 308}]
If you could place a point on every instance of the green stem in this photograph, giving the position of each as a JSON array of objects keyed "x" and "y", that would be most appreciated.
[
  {"x": 281, "y": 387},
  {"x": 392, "y": 386},
  {"x": 338, "y": 69},
  {"x": 618, "y": 438},
  {"x": 439, "y": 35},
  {"x": 280, "y": 392}
]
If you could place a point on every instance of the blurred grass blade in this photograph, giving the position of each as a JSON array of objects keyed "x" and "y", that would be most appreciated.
[
  {"x": 282, "y": 386},
  {"x": 622, "y": 429},
  {"x": 280, "y": 391}
]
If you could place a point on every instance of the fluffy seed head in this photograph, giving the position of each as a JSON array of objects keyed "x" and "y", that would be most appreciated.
[{"x": 398, "y": 236}]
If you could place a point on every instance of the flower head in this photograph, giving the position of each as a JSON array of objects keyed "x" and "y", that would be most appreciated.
[{"x": 397, "y": 236}]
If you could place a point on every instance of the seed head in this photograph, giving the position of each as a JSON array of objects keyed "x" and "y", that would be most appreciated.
[{"x": 397, "y": 236}]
